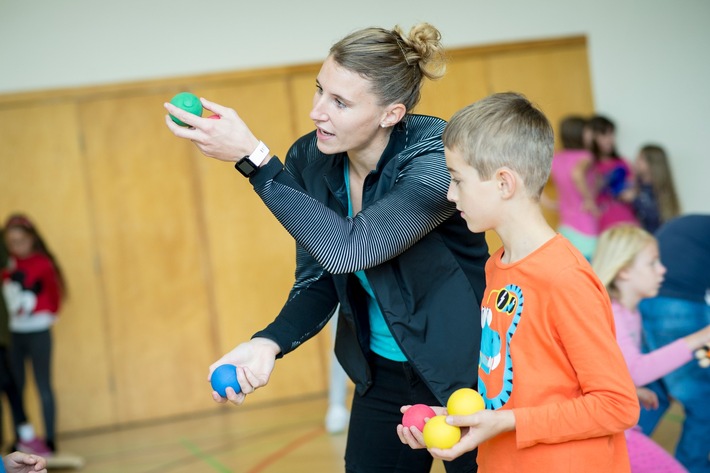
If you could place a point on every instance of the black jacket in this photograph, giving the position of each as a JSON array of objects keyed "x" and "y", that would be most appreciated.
[{"x": 424, "y": 266}]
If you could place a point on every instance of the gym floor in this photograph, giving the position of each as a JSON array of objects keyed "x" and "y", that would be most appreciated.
[{"x": 277, "y": 438}]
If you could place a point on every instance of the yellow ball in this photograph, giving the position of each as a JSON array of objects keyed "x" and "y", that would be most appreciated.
[
  {"x": 464, "y": 402},
  {"x": 439, "y": 434}
]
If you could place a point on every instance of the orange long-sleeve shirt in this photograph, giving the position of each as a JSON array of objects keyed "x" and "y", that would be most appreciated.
[{"x": 549, "y": 353}]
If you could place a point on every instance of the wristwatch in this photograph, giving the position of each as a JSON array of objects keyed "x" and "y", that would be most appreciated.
[{"x": 250, "y": 163}]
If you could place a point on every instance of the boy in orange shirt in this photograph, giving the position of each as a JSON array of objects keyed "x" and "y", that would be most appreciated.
[{"x": 558, "y": 393}]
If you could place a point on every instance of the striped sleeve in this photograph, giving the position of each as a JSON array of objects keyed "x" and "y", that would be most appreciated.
[{"x": 413, "y": 207}]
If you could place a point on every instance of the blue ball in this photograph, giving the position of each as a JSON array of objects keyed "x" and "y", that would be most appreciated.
[{"x": 224, "y": 376}]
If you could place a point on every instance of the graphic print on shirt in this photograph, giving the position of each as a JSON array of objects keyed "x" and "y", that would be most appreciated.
[
  {"x": 20, "y": 300},
  {"x": 499, "y": 323}
]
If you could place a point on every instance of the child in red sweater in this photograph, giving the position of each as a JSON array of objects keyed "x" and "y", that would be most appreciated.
[{"x": 33, "y": 287}]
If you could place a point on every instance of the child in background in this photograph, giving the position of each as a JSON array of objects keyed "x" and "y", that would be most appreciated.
[
  {"x": 613, "y": 175},
  {"x": 557, "y": 390},
  {"x": 33, "y": 287},
  {"x": 627, "y": 262},
  {"x": 655, "y": 201},
  {"x": 24, "y": 431},
  {"x": 572, "y": 179},
  {"x": 684, "y": 245}
]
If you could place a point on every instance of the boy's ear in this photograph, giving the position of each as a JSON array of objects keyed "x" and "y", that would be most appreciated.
[{"x": 505, "y": 182}]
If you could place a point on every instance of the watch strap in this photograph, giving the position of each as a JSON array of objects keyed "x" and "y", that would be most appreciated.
[
  {"x": 249, "y": 164},
  {"x": 259, "y": 154}
]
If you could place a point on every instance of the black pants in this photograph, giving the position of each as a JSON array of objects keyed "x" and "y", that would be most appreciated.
[
  {"x": 37, "y": 347},
  {"x": 14, "y": 398},
  {"x": 373, "y": 445}
]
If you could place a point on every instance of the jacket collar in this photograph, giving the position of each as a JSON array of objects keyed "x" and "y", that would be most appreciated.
[{"x": 333, "y": 175}]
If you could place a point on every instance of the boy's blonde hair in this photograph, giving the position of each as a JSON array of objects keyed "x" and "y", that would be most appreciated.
[
  {"x": 616, "y": 249},
  {"x": 504, "y": 130}
]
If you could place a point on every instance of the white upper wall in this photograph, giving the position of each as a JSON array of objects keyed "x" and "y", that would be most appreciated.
[{"x": 648, "y": 59}]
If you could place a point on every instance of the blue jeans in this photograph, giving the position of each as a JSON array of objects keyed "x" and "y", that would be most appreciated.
[{"x": 665, "y": 320}]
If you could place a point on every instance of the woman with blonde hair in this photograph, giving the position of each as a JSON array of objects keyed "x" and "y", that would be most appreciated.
[
  {"x": 627, "y": 263},
  {"x": 364, "y": 196}
]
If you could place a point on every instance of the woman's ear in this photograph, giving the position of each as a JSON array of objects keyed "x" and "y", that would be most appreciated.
[{"x": 393, "y": 115}]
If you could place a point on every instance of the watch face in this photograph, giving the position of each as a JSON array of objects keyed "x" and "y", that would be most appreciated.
[{"x": 245, "y": 166}]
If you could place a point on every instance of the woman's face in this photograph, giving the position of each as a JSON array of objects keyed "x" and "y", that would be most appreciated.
[
  {"x": 19, "y": 243},
  {"x": 346, "y": 112}
]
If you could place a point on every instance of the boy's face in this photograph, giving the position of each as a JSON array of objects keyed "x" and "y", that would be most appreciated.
[{"x": 472, "y": 196}]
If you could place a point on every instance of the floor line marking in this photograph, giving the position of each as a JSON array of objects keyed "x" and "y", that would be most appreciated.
[
  {"x": 209, "y": 459},
  {"x": 288, "y": 448}
]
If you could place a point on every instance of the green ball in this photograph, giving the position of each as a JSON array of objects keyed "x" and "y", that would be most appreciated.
[{"x": 188, "y": 102}]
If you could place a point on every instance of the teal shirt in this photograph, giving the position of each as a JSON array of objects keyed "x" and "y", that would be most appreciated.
[{"x": 381, "y": 340}]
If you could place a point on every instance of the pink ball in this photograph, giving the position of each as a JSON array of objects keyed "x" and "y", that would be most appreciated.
[{"x": 415, "y": 415}]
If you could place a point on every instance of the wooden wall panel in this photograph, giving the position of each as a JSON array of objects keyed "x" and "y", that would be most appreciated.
[
  {"x": 464, "y": 83},
  {"x": 251, "y": 255},
  {"x": 144, "y": 205},
  {"x": 302, "y": 88},
  {"x": 556, "y": 78},
  {"x": 41, "y": 173}
]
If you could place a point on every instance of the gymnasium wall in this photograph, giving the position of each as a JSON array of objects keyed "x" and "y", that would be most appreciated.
[{"x": 647, "y": 58}]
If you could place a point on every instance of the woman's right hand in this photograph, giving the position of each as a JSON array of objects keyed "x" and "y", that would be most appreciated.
[
  {"x": 255, "y": 361},
  {"x": 227, "y": 139}
]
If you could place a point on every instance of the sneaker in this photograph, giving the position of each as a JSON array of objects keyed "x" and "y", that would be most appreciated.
[
  {"x": 336, "y": 419},
  {"x": 36, "y": 446}
]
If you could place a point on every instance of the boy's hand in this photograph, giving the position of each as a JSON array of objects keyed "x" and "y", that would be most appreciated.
[
  {"x": 475, "y": 429},
  {"x": 411, "y": 435}
]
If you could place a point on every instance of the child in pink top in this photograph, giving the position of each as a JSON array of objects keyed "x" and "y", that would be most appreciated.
[
  {"x": 613, "y": 174},
  {"x": 573, "y": 181},
  {"x": 627, "y": 262}
]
